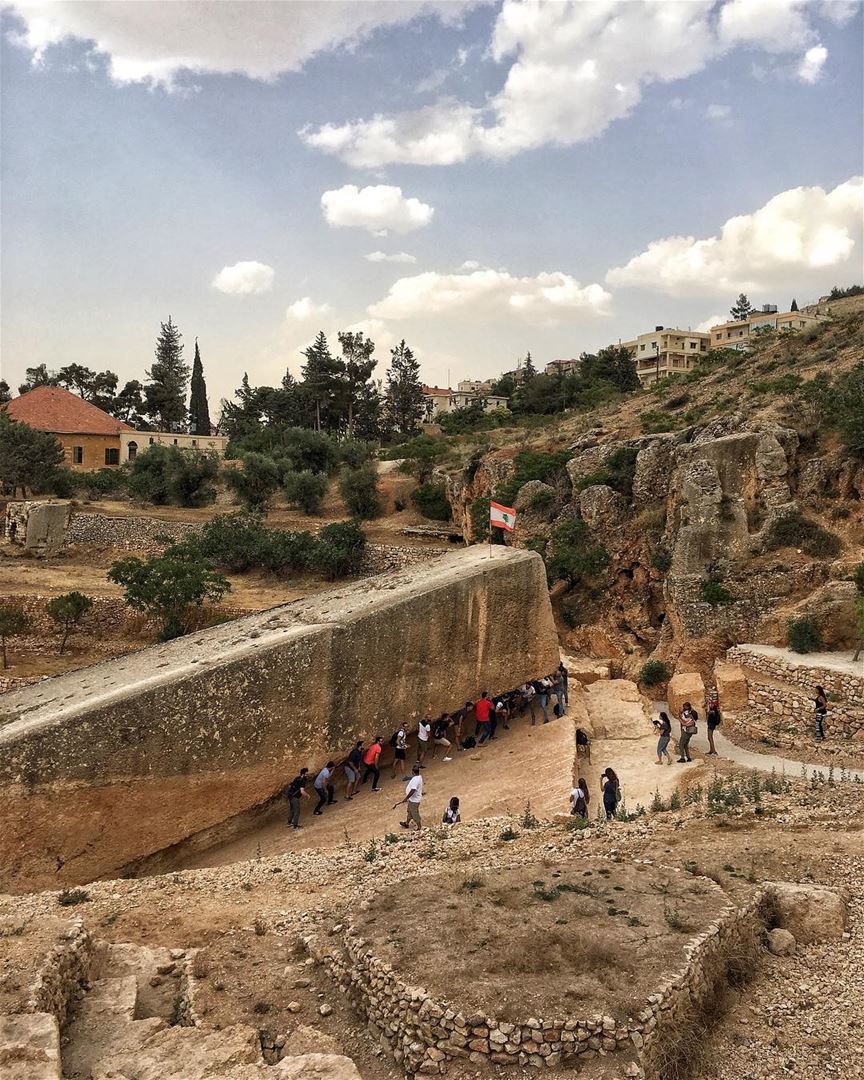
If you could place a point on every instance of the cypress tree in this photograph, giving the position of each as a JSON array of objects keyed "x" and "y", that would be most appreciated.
[
  {"x": 794, "y": 306},
  {"x": 199, "y": 409},
  {"x": 404, "y": 392},
  {"x": 165, "y": 393}
]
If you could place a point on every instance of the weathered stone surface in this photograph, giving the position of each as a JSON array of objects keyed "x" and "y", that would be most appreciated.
[
  {"x": 781, "y": 942},
  {"x": 316, "y": 1067},
  {"x": 731, "y": 684},
  {"x": 38, "y": 527},
  {"x": 179, "y": 737},
  {"x": 686, "y": 686},
  {"x": 29, "y": 1047},
  {"x": 809, "y": 912},
  {"x": 533, "y": 492},
  {"x": 600, "y": 505},
  {"x": 616, "y": 710}
]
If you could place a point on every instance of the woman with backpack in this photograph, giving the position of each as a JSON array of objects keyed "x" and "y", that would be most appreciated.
[
  {"x": 611, "y": 786},
  {"x": 663, "y": 728},
  {"x": 713, "y": 718},
  {"x": 579, "y": 799}
]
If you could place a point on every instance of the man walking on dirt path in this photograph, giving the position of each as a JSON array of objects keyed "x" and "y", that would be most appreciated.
[
  {"x": 483, "y": 710},
  {"x": 370, "y": 760},
  {"x": 295, "y": 792},
  {"x": 324, "y": 787},
  {"x": 413, "y": 795}
]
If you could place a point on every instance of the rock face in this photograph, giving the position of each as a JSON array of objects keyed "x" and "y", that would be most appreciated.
[
  {"x": 600, "y": 505},
  {"x": 29, "y": 1047},
  {"x": 686, "y": 686},
  {"x": 103, "y": 767},
  {"x": 616, "y": 710},
  {"x": 809, "y": 912},
  {"x": 317, "y": 1067}
]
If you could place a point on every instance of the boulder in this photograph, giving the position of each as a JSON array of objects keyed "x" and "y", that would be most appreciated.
[
  {"x": 686, "y": 686},
  {"x": 534, "y": 495},
  {"x": 731, "y": 683},
  {"x": 616, "y": 710},
  {"x": 600, "y": 505},
  {"x": 781, "y": 942},
  {"x": 809, "y": 912},
  {"x": 586, "y": 670},
  {"x": 316, "y": 1067}
]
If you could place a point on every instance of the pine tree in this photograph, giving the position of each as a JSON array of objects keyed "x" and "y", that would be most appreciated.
[
  {"x": 742, "y": 309},
  {"x": 528, "y": 369},
  {"x": 165, "y": 393},
  {"x": 5, "y": 392},
  {"x": 321, "y": 381},
  {"x": 359, "y": 363},
  {"x": 794, "y": 305},
  {"x": 199, "y": 409},
  {"x": 404, "y": 391}
]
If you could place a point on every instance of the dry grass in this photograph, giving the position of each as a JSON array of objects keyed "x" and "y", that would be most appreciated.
[{"x": 540, "y": 940}]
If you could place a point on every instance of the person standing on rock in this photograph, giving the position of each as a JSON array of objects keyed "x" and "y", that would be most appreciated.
[
  {"x": 370, "y": 760},
  {"x": 712, "y": 720},
  {"x": 820, "y": 704},
  {"x": 542, "y": 687},
  {"x": 663, "y": 727},
  {"x": 565, "y": 679},
  {"x": 399, "y": 743},
  {"x": 413, "y": 795},
  {"x": 689, "y": 716},
  {"x": 558, "y": 691},
  {"x": 324, "y": 787},
  {"x": 295, "y": 792},
  {"x": 352, "y": 770},
  {"x": 611, "y": 786}
]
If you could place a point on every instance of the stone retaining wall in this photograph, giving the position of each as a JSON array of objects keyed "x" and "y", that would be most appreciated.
[
  {"x": 424, "y": 1034},
  {"x": 62, "y": 975}
]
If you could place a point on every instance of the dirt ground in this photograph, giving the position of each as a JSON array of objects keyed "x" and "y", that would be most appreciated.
[{"x": 548, "y": 939}]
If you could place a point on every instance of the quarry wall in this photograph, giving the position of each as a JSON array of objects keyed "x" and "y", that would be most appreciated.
[{"x": 108, "y": 765}]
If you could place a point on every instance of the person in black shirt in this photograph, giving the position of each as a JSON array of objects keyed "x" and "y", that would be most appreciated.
[
  {"x": 352, "y": 770},
  {"x": 294, "y": 792},
  {"x": 713, "y": 719}
]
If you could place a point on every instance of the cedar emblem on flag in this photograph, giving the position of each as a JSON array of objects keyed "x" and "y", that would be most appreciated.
[{"x": 502, "y": 517}]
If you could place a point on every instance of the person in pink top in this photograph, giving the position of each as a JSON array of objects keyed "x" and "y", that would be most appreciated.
[{"x": 483, "y": 711}]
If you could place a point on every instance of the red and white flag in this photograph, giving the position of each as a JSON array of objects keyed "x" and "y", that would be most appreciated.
[{"x": 502, "y": 517}]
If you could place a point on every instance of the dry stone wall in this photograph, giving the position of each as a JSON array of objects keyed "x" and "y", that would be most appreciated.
[{"x": 102, "y": 767}]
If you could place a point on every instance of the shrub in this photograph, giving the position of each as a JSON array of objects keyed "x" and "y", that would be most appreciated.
[
  {"x": 306, "y": 490},
  {"x": 654, "y": 672},
  {"x": 542, "y": 499},
  {"x": 167, "y": 475},
  {"x": 480, "y": 520},
  {"x": 795, "y": 530},
  {"x": 661, "y": 560},
  {"x": 421, "y": 453},
  {"x": 102, "y": 482},
  {"x": 803, "y": 635},
  {"x": 341, "y": 549},
  {"x": 714, "y": 593},
  {"x": 70, "y": 897},
  {"x": 285, "y": 552},
  {"x": 301, "y": 448},
  {"x": 233, "y": 541},
  {"x": 574, "y": 557},
  {"x": 359, "y": 491},
  {"x": 67, "y": 611},
  {"x": 255, "y": 483},
  {"x": 355, "y": 452},
  {"x": 432, "y": 502}
]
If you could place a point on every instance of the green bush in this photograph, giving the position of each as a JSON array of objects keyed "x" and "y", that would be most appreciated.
[
  {"x": 341, "y": 549},
  {"x": 795, "y": 530},
  {"x": 359, "y": 491},
  {"x": 713, "y": 593},
  {"x": 166, "y": 475},
  {"x": 573, "y": 556},
  {"x": 617, "y": 472},
  {"x": 355, "y": 452},
  {"x": 255, "y": 483},
  {"x": 233, "y": 541},
  {"x": 62, "y": 484},
  {"x": 286, "y": 552},
  {"x": 480, "y": 520},
  {"x": 654, "y": 672},
  {"x": 542, "y": 499},
  {"x": 420, "y": 454},
  {"x": 661, "y": 560},
  {"x": 305, "y": 490},
  {"x": 432, "y": 502},
  {"x": 101, "y": 482},
  {"x": 803, "y": 635}
]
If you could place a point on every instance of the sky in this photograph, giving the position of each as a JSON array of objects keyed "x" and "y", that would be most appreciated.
[{"x": 479, "y": 178}]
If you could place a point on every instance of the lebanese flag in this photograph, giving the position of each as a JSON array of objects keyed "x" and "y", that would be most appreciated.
[{"x": 502, "y": 517}]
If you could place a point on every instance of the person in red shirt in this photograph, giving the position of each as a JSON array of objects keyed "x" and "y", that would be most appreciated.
[
  {"x": 370, "y": 760},
  {"x": 483, "y": 710}
]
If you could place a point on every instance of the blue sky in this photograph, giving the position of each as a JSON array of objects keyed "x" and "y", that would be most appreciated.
[{"x": 559, "y": 175}]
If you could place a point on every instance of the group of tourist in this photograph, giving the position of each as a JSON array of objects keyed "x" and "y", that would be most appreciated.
[
  {"x": 689, "y": 726},
  {"x": 474, "y": 725}
]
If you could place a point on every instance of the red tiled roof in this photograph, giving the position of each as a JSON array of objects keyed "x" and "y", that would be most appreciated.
[
  {"x": 51, "y": 408},
  {"x": 436, "y": 390}
]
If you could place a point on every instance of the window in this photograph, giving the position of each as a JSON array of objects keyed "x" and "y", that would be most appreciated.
[
  {"x": 112, "y": 455},
  {"x": 642, "y": 348},
  {"x": 653, "y": 344},
  {"x": 131, "y": 450},
  {"x": 194, "y": 442},
  {"x": 692, "y": 344},
  {"x": 77, "y": 455},
  {"x": 175, "y": 442},
  {"x": 152, "y": 441}
]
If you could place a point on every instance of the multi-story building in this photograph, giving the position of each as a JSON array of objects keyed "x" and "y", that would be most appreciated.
[
  {"x": 91, "y": 438},
  {"x": 736, "y": 333},
  {"x": 474, "y": 386},
  {"x": 666, "y": 351},
  {"x": 561, "y": 367},
  {"x": 440, "y": 400}
]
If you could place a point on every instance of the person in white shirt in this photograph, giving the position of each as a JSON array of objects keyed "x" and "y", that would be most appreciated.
[
  {"x": 424, "y": 731},
  {"x": 413, "y": 795}
]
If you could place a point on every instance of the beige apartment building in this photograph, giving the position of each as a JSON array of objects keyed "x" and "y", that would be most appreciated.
[
  {"x": 133, "y": 443},
  {"x": 666, "y": 351},
  {"x": 736, "y": 333}
]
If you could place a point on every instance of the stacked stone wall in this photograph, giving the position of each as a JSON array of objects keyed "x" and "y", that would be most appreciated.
[
  {"x": 63, "y": 974},
  {"x": 425, "y": 1033}
]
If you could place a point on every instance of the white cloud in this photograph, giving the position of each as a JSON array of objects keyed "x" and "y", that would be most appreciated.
[
  {"x": 712, "y": 320},
  {"x": 154, "y": 42},
  {"x": 244, "y": 279},
  {"x": 380, "y": 333},
  {"x": 566, "y": 82},
  {"x": 791, "y": 238},
  {"x": 721, "y": 113},
  {"x": 379, "y": 208},
  {"x": 305, "y": 309},
  {"x": 392, "y": 257},
  {"x": 470, "y": 264},
  {"x": 810, "y": 68},
  {"x": 547, "y": 296}
]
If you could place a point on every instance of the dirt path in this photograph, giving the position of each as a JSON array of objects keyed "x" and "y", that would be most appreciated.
[
  {"x": 523, "y": 765},
  {"x": 771, "y": 763}
]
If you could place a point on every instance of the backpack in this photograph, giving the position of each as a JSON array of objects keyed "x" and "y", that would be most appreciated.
[
  {"x": 394, "y": 738},
  {"x": 469, "y": 743}
]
